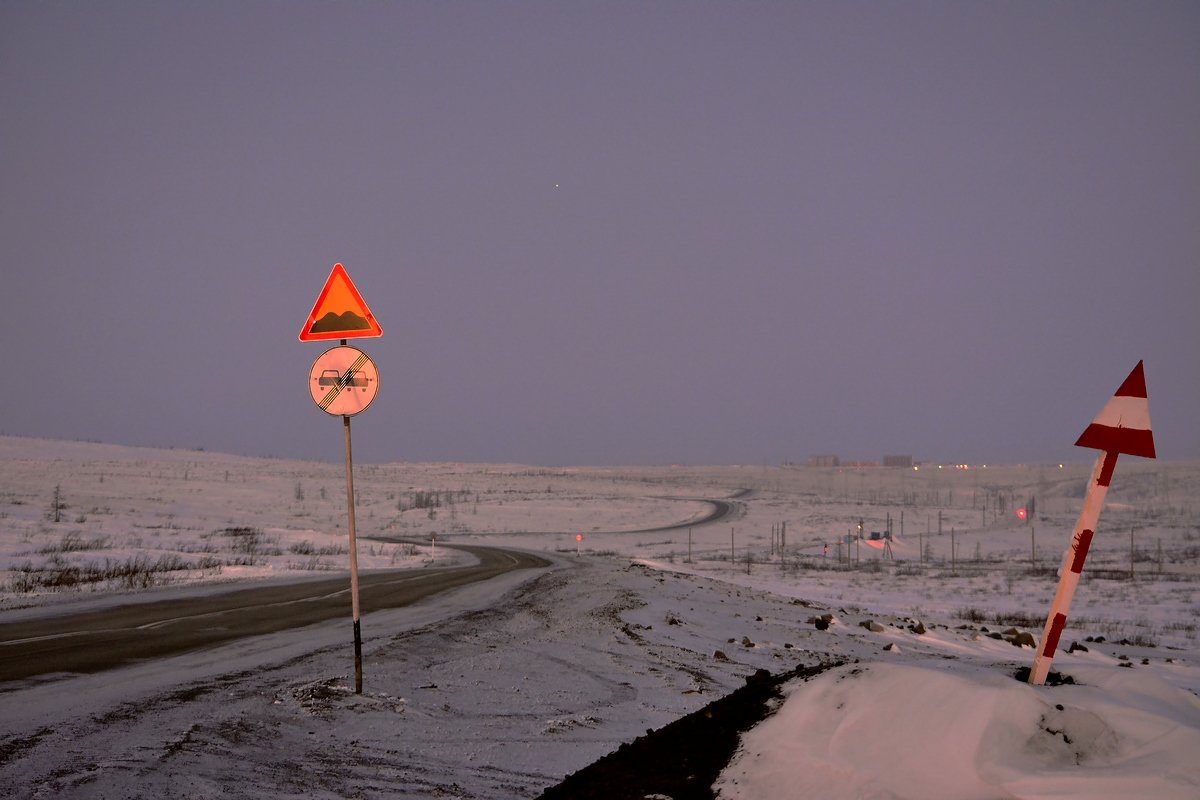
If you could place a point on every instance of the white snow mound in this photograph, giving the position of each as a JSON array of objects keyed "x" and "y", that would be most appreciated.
[{"x": 893, "y": 730}]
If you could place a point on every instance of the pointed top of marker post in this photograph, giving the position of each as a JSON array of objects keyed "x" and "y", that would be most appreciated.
[{"x": 1123, "y": 425}]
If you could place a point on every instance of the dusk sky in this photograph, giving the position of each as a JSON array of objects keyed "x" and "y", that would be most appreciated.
[{"x": 603, "y": 232}]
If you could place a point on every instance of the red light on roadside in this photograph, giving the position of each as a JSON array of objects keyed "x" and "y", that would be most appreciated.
[{"x": 1021, "y": 514}]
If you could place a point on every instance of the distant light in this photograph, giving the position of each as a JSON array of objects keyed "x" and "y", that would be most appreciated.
[
  {"x": 1060, "y": 466},
  {"x": 1021, "y": 514},
  {"x": 915, "y": 469}
]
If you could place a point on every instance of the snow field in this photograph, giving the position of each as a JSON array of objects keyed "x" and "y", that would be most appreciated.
[{"x": 499, "y": 691}]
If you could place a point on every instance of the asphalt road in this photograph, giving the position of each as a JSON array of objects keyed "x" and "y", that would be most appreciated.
[
  {"x": 98, "y": 640},
  {"x": 720, "y": 510}
]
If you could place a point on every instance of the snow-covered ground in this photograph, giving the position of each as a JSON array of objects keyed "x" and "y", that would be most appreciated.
[{"x": 501, "y": 690}]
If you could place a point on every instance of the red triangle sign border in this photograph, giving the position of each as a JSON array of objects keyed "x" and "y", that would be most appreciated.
[{"x": 345, "y": 325}]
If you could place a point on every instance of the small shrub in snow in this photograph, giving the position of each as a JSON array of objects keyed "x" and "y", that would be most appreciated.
[{"x": 74, "y": 543}]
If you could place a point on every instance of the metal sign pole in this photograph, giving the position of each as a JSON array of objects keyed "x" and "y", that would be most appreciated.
[
  {"x": 342, "y": 382},
  {"x": 358, "y": 680}
]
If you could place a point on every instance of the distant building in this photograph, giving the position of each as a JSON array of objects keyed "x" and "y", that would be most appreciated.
[
  {"x": 897, "y": 461},
  {"x": 823, "y": 461}
]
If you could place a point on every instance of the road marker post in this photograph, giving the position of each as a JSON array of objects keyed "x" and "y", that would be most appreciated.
[
  {"x": 1122, "y": 426},
  {"x": 342, "y": 382}
]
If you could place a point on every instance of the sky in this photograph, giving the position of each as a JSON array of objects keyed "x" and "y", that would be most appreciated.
[{"x": 603, "y": 233}]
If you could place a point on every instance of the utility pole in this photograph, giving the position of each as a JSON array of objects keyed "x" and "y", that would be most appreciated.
[
  {"x": 1131, "y": 553},
  {"x": 953, "y": 555}
]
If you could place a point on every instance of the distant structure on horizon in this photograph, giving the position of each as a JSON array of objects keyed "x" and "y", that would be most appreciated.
[{"x": 830, "y": 460}]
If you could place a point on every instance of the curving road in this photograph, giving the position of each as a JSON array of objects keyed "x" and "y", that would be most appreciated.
[
  {"x": 99, "y": 640},
  {"x": 719, "y": 510}
]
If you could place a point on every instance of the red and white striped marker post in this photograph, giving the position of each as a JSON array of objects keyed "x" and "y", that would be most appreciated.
[{"x": 1122, "y": 426}]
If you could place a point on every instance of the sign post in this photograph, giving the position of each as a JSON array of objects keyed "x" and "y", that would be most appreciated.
[
  {"x": 354, "y": 611},
  {"x": 1122, "y": 426},
  {"x": 342, "y": 382}
]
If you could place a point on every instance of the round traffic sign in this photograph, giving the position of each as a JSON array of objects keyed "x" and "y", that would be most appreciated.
[{"x": 343, "y": 381}]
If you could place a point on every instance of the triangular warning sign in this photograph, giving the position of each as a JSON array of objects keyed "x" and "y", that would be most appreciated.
[{"x": 339, "y": 312}]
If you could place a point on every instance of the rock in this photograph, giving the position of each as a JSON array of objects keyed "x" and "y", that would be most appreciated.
[
  {"x": 892, "y": 647},
  {"x": 761, "y": 677},
  {"x": 918, "y": 629},
  {"x": 720, "y": 656},
  {"x": 1023, "y": 639},
  {"x": 746, "y": 642},
  {"x": 1076, "y": 647},
  {"x": 871, "y": 625}
]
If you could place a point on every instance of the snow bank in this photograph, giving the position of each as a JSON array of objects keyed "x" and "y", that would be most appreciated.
[{"x": 885, "y": 730}]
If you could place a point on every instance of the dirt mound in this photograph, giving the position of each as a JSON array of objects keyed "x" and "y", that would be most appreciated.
[{"x": 681, "y": 760}]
